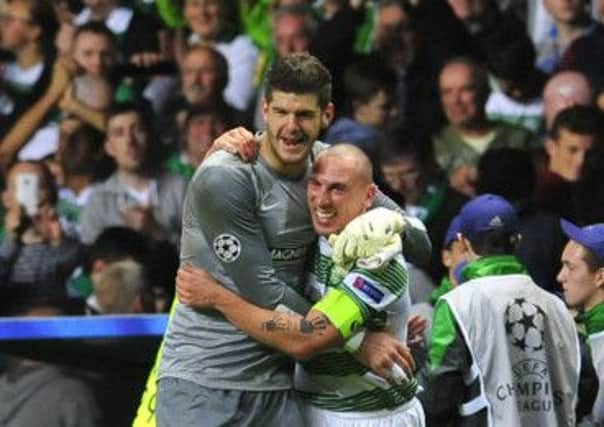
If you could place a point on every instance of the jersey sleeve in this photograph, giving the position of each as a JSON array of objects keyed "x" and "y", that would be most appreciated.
[
  {"x": 221, "y": 202},
  {"x": 361, "y": 294}
]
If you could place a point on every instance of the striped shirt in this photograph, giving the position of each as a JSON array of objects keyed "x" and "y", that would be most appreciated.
[{"x": 335, "y": 380}]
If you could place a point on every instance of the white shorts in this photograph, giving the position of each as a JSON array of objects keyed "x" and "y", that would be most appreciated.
[{"x": 411, "y": 414}]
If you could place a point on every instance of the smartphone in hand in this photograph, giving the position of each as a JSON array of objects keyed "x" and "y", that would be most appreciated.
[{"x": 27, "y": 192}]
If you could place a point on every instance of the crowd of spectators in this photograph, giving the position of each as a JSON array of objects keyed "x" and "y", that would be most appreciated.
[{"x": 109, "y": 106}]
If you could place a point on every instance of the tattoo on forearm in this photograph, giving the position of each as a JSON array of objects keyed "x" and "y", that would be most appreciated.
[
  {"x": 307, "y": 326},
  {"x": 275, "y": 324},
  {"x": 316, "y": 324},
  {"x": 271, "y": 325}
]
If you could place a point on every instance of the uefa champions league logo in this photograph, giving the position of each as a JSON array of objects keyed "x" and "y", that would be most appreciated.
[
  {"x": 531, "y": 386},
  {"x": 227, "y": 247},
  {"x": 524, "y": 324}
]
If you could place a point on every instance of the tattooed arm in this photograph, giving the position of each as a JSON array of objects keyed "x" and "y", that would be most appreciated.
[
  {"x": 300, "y": 337},
  {"x": 296, "y": 335}
]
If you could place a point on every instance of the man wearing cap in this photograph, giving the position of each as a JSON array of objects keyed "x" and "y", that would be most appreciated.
[
  {"x": 582, "y": 279},
  {"x": 503, "y": 351}
]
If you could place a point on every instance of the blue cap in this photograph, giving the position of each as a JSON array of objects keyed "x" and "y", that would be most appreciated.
[
  {"x": 591, "y": 236},
  {"x": 452, "y": 231},
  {"x": 485, "y": 213}
]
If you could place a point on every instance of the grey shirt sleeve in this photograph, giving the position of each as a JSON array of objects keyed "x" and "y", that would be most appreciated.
[
  {"x": 91, "y": 220},
  {"x": 416, "y": 243},
  {"x": 222, "y": 201}
]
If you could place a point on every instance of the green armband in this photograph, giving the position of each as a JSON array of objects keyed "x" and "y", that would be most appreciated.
[{"x": 342, "y": 311}]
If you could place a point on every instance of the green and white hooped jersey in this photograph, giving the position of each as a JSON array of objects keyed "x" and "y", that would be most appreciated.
[{"x": 376, "y": 300}]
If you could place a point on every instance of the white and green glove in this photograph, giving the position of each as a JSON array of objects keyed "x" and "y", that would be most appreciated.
[{"x": 370, "y": 240}]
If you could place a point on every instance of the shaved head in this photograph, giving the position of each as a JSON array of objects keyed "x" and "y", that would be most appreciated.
[
  {"x": 564, "y": 90},
  {"x": 354, "y": 155}
]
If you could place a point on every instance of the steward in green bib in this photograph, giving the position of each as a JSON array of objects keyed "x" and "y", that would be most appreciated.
[{"x": 503, "y": 351}]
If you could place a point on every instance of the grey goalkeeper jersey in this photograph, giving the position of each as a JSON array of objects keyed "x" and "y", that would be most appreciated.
[{"x": 250, "y": 228}]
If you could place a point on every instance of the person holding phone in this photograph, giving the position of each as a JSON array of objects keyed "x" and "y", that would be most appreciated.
[{"x": 36, "y": 258}]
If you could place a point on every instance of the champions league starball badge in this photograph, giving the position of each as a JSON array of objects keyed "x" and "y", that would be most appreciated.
[
  {"x": 227, "y": 247},
  {"x": 524, "y": 325}
]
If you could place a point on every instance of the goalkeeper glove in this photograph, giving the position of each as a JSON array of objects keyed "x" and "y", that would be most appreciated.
[{"x": 366, "y": 236}]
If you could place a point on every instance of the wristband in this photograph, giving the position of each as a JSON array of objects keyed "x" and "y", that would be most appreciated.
[{"x": 354, "y": 343}]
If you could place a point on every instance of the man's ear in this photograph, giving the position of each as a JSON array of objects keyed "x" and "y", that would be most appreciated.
[
  {"x": 445, "y": 258},
  {"x": 109, "y": 148},
  {"x": 265, "y": 110},
  {"x": 599, "y": 278},
  {"x": 466, "y": 245},
  {"x": 6, "y": 199},
  {"x": 328, "y": 115},
  {"x": 549, "y": 146},
  {"x": 370, "y": 196}
]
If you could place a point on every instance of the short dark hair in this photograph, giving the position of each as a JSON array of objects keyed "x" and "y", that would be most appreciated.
[
  {"x": 95, "y": 27},
  {"x": 495, "y": 242},
  {"x": 579, "y": 119},
  {"x": 43, "y": 15},
  {"x": 84, "y": 154},
  {"x": 222, "y": 114},
  {"x": 118, "y": 243},
  {"x": 300, "y": 73},
  {"x": 153, "y": 151},
  {"x": 366, "y": 77},
  {"x": 129, "y": 107}
]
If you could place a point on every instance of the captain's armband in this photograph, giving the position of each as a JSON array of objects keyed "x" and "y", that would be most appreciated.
[{"x": 342, "y": 311}]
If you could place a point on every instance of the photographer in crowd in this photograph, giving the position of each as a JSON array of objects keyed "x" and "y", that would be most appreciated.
[{"x": 36, "y": 258}]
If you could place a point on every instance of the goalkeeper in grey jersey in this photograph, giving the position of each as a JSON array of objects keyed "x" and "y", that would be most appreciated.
[
  {"x": 352, "y": 288},
  {"x": 248, "y": 225}
]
